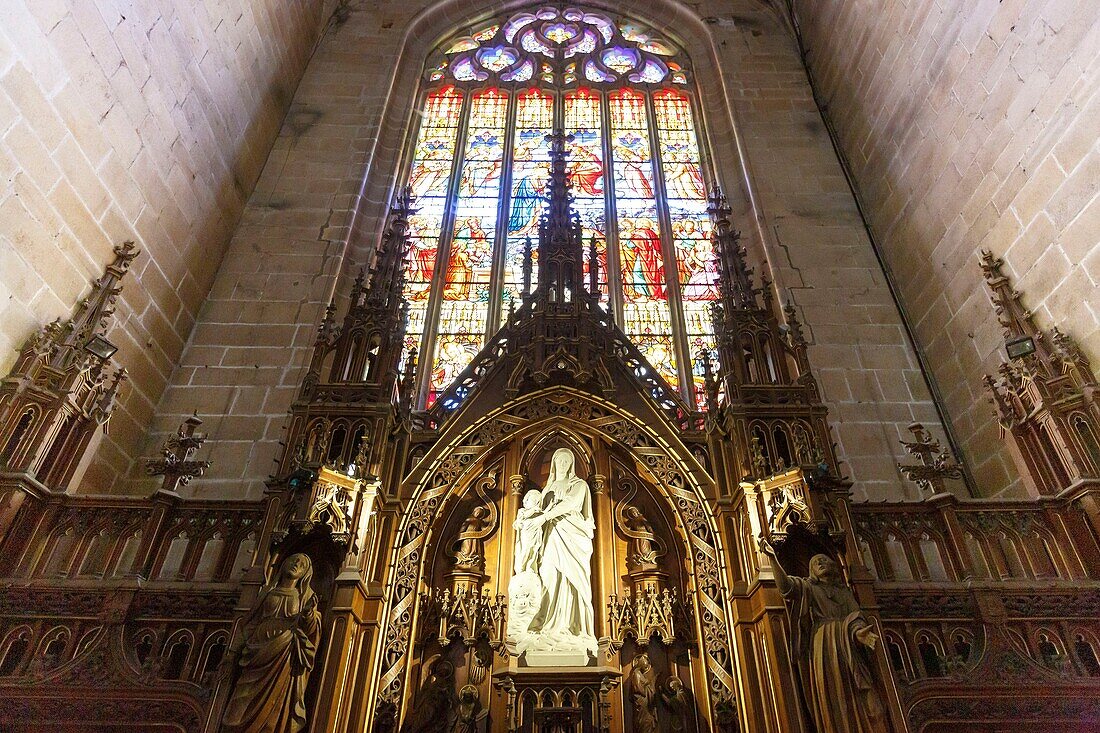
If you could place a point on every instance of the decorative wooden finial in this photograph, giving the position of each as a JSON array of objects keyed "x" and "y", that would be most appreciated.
[
  {"x": 176, "y": 465},
  {"x": 935, "y": 465}
]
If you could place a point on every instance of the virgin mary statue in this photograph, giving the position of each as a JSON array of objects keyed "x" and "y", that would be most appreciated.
[{"x": 564, "y": 620}]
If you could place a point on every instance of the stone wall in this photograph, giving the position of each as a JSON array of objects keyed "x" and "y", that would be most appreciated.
[
  {"x": 316, "y": 214},
  {"x": 971, "y": 125},
  {"x": 139, "y": 120}
]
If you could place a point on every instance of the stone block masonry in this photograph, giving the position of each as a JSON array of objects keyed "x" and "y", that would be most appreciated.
[
  {"x": 142, "y": 120},
  {"x": 972, "y": 125},
  {"x": 317, "y": 211},
  {"x": 159, "y": 125}
]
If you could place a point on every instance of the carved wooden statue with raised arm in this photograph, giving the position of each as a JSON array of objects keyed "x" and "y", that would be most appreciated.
[
  {"x": 278, "y": 652},
  {"x": 831, "y": 645}
]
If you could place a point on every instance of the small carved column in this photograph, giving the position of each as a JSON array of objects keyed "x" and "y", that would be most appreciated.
[
  {"x": 955, "y": 538},
  {"x": 606, "y": 564},
  {"x": 348, "y": 508},
  {"x": 163, "y": 503}
]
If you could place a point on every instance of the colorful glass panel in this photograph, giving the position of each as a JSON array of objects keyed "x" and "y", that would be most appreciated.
[
  {"x": 433, "y": 161},
  {"x": 462, "y": 44},
  {"x": 584, "y": 121},
  {"x": 591, "y": 38},
  {"x": 585, "y": 45},
  {"x": 607, "y": 30},
  {"x": 485, "y": 210},
  {"x": 592, "y": 72},
  {"x": 633, "y": 32},
  {"x": 497, "y": 58},
  {"x": 620, "y": 59},
  {"x": 659, "y": 48},
  {"x": 530, "y": 42},
  {"x": 530, "y": 170},
  {"x": 487, "y": 33},
  {"x": 652, "y": 72},
  {"x": 516, "y": 24},
  {"x": 464, "y": 70},
  {"x": 523, "y": 72},
  {"x": 560, "y": 32},
  {"x": 686, "y": 193},
  {"x": 644, "y": 287},
  {"x": 465, "y": 296}
]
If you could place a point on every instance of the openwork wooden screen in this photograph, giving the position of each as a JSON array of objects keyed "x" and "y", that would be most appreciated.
[{"x": 479, "y": 171}]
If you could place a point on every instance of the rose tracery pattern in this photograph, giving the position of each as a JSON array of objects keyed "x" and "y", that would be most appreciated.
[{"x": 562, "y": 46}]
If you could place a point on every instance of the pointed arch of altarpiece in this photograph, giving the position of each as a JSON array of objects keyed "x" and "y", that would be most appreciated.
[{"x": 463, "y": 456}]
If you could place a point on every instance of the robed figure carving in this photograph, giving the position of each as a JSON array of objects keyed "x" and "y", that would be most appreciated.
[
  {"x": 832, "y": 644},
  {"x": 279, "y": 646},
  {"x": 554, "y": 544}
]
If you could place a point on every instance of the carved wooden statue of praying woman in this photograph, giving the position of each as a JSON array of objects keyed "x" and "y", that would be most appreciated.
[
  {"x": 643, "y": 695},
  {"x": 278, "y": 649},
  {"x": 433, "y": 708},
  {"x": 832, "y": 644}
]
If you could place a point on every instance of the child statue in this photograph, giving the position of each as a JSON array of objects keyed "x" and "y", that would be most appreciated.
[{"x": 528, "y": 533}]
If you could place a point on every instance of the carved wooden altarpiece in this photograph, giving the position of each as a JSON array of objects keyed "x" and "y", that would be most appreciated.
[{"x": 120, "y": 612}]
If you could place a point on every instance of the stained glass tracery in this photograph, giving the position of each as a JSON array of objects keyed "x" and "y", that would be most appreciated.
[
  {"x": 479, "y": 172},
  {"x": 602, "y": 50}
]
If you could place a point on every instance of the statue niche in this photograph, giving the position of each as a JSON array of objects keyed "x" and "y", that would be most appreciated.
[
  {"x": 552, "y": 619},
  {"x": 276, "y": 654},
  {"x": 832, "y": 645}
]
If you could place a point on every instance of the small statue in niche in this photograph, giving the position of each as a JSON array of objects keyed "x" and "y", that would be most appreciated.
[
  {"x": 831, "y": 644},
  {"x": 644, "y": 547},
  {"x": 277, "y": 654},
  {"x": 643, "y": 695},
  {"x": 469, "y": 548},
  {"x": 328, "y": 510},
  {"x": 434, "y": 704},
  {"x": 471, "y": 716},
  {"x": 675, "y": 698}
]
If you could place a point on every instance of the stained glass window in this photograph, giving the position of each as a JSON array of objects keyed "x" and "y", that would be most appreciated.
[
  {"x": 464, "y": 307},
  {"x": 584, "y": 121},
  {"x": 433, "y": 161},
  {"x": 479, "y": 169},
  {"x": 686, "y": 197},
  {"x": 530, "y": 169},
  {"x": 647, "y": 318}
]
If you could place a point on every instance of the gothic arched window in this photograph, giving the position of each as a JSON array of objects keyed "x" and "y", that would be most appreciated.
[{"x": 479, "y": 170}]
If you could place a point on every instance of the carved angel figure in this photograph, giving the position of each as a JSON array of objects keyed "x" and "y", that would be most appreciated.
[
  {"x": 277, "y": 654},
  {"x": 831, "y": 643},
  {"x": 469, "y": 550},
  {"x": 644, "y": 547}
]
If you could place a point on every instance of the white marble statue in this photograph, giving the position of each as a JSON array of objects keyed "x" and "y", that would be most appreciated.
[
  {"x": 528, "y": 533},
  {"x": 554, "y": 532}
]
